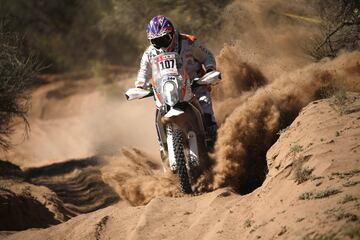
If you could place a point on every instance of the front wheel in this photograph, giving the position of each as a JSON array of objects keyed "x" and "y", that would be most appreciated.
[{"x": 178, "y": 141}]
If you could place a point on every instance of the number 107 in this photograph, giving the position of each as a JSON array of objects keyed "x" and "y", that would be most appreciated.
[{"x": 167, "y": 64}]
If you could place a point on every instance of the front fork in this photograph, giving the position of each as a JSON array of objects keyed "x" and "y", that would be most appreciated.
[
  {"x": 170, "y": 145},
  {"x": 165, "y": 139},
  {"x": 192, "y": 150}
]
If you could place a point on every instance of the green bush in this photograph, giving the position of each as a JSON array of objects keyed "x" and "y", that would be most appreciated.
[
  {"x": 16, "y": 78},
  {"x": 71, "y": 34}
]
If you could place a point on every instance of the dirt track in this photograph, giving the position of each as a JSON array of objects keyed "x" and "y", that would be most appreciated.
[
  {"x": 104, "y": 172},
  {"x": 325, "y": 202}
]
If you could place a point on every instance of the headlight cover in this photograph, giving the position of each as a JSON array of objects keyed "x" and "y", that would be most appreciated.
[{"x": 171, "y": 95}]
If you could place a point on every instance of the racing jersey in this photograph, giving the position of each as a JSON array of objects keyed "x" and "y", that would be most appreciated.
[{"x": 195, "y": 58}]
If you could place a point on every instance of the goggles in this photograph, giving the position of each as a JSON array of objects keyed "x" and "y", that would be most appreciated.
[{"x": 162, "y": 42}]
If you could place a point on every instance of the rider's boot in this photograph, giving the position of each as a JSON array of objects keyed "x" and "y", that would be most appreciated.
[{"x": 211, "y": 130}]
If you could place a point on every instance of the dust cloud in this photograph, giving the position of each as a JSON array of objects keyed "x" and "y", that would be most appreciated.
[
  {"x": 267, "y": 79},
  {"x": 261, "y": 43},
  {"x": 251, "y": 128},
  {"x": 84, "y": 123},
  {"x": 137, "y": 179},
  {"x": 266, "y": 36}
]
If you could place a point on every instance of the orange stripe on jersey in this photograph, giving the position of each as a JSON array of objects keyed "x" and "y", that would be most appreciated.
[
  {"x": 185, "y": 74},
  {"x": 153, "y": 82},
  {"x": 158, "y": 96},
  {"x": 189, "y": 38},
  {"x": 184, "y": 85}
]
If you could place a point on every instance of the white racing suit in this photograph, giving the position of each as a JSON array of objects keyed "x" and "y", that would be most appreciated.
[{"x": 197, "y": 60}]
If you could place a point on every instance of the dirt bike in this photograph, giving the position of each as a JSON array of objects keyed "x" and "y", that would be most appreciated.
[{"x": 179, "y": 118}]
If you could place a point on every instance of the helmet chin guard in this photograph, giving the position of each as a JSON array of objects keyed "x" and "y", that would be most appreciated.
[
  {"x": 164, "y": 42},
  {"x": 172, "y": 44}
]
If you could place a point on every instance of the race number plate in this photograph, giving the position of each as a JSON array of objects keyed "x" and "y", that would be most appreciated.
[{"x": 167, "y": 65}]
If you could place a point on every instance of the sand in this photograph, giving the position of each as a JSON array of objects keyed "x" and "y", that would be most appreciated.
[{"x": 323, "y": 139}]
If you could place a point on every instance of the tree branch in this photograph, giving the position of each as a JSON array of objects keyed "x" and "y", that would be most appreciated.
[{"x": 327, "y": 38}]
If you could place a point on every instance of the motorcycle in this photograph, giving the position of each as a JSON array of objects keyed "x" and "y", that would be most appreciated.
[{"x": 179, "y": 118}]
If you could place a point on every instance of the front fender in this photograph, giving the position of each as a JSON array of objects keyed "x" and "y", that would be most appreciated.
[{"x": 174, "y": 112}]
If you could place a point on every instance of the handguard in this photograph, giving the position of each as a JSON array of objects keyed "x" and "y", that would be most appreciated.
[
  {"x": 137, "y": 93},
  {"x": 210, "y": 78}
]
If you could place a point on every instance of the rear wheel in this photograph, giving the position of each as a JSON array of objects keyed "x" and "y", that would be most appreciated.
[{"x": 180, "y": 161}]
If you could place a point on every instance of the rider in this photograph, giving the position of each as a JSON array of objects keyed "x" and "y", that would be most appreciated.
[{"x": 197, "y": 59}]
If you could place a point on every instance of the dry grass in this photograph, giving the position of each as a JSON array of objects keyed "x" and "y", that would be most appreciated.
[
  {"x": 302, "y": 174},
  {"x": 352, "y": 232},
  {"x": 248, "y": 223},
  {"x": 348, "y": 198},
  {"x": 347, "y": 174},
  {"x": 280, "y": 132},
  {"x": 296, "y": 148},
  {"x": 318, "y": 195},
  {"x": 350, "y": 217},
  {"x": 351, "y": 183},
  {"x": 317, "y": 236}
]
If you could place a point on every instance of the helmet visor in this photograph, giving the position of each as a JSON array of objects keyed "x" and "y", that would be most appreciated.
[{"x": 161, "y": 42}]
